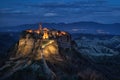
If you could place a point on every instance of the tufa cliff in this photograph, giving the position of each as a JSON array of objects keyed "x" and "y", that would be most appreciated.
[{"x": 47, "y": 54}]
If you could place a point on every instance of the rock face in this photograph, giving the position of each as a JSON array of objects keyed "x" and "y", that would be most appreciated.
[
  {"x": 35, "y": 58},
  {"x": 32, "y": 48}
]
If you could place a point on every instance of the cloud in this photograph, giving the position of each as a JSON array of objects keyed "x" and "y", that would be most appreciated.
[
  {"x": 102, "y": 32},
  {"x": 59, "y": 11},
  {"x": 50, "y": 14},
  {"x": 77, "y": 4},
  {"x": 76, "y": 8},
  {"x": 77, "y": 29},
  {"x": 12, "y": 11}
]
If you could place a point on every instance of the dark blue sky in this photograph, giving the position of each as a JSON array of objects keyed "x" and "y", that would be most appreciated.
[{"x": 17, "y": 12}]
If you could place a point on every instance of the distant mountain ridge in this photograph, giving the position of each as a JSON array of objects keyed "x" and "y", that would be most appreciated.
[{"x": 75, "y": 27}]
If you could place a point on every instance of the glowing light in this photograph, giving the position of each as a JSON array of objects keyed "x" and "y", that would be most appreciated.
[
  {"x": 30, "y": 31},
  {"x": 51, "y": 41},
  {"x": 63, "y": 32},
  {"x": 45, "y": 29},
  {"x": 45, "y": 35},
  {"x": 50, "y": 50},
  {"x": 37, "y": 31},
  {"x": 57, "y": 33}
]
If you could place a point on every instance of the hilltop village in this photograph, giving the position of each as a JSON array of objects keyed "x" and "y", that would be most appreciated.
[
  {"x": 50, "y": 54},
  {"x": 44, "y": 34}
]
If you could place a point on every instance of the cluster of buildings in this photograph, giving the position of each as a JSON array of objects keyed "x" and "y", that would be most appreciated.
[{"x": 63, "y": 38}]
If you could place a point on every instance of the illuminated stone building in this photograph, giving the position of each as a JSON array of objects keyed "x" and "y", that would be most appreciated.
[{"x": 63, "y": 38}]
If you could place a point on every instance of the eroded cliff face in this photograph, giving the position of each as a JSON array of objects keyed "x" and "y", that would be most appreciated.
[
  {"x": 32, "y": 47},
  {"x": 33, "y": 58}
]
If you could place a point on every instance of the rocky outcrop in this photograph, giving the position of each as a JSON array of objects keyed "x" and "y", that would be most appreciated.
[
  {"x": 33, "y": 58},
  {"x": 30, "y": 49}
]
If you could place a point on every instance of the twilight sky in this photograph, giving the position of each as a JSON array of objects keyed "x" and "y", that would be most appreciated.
[{"x": 17, "y": 12}]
